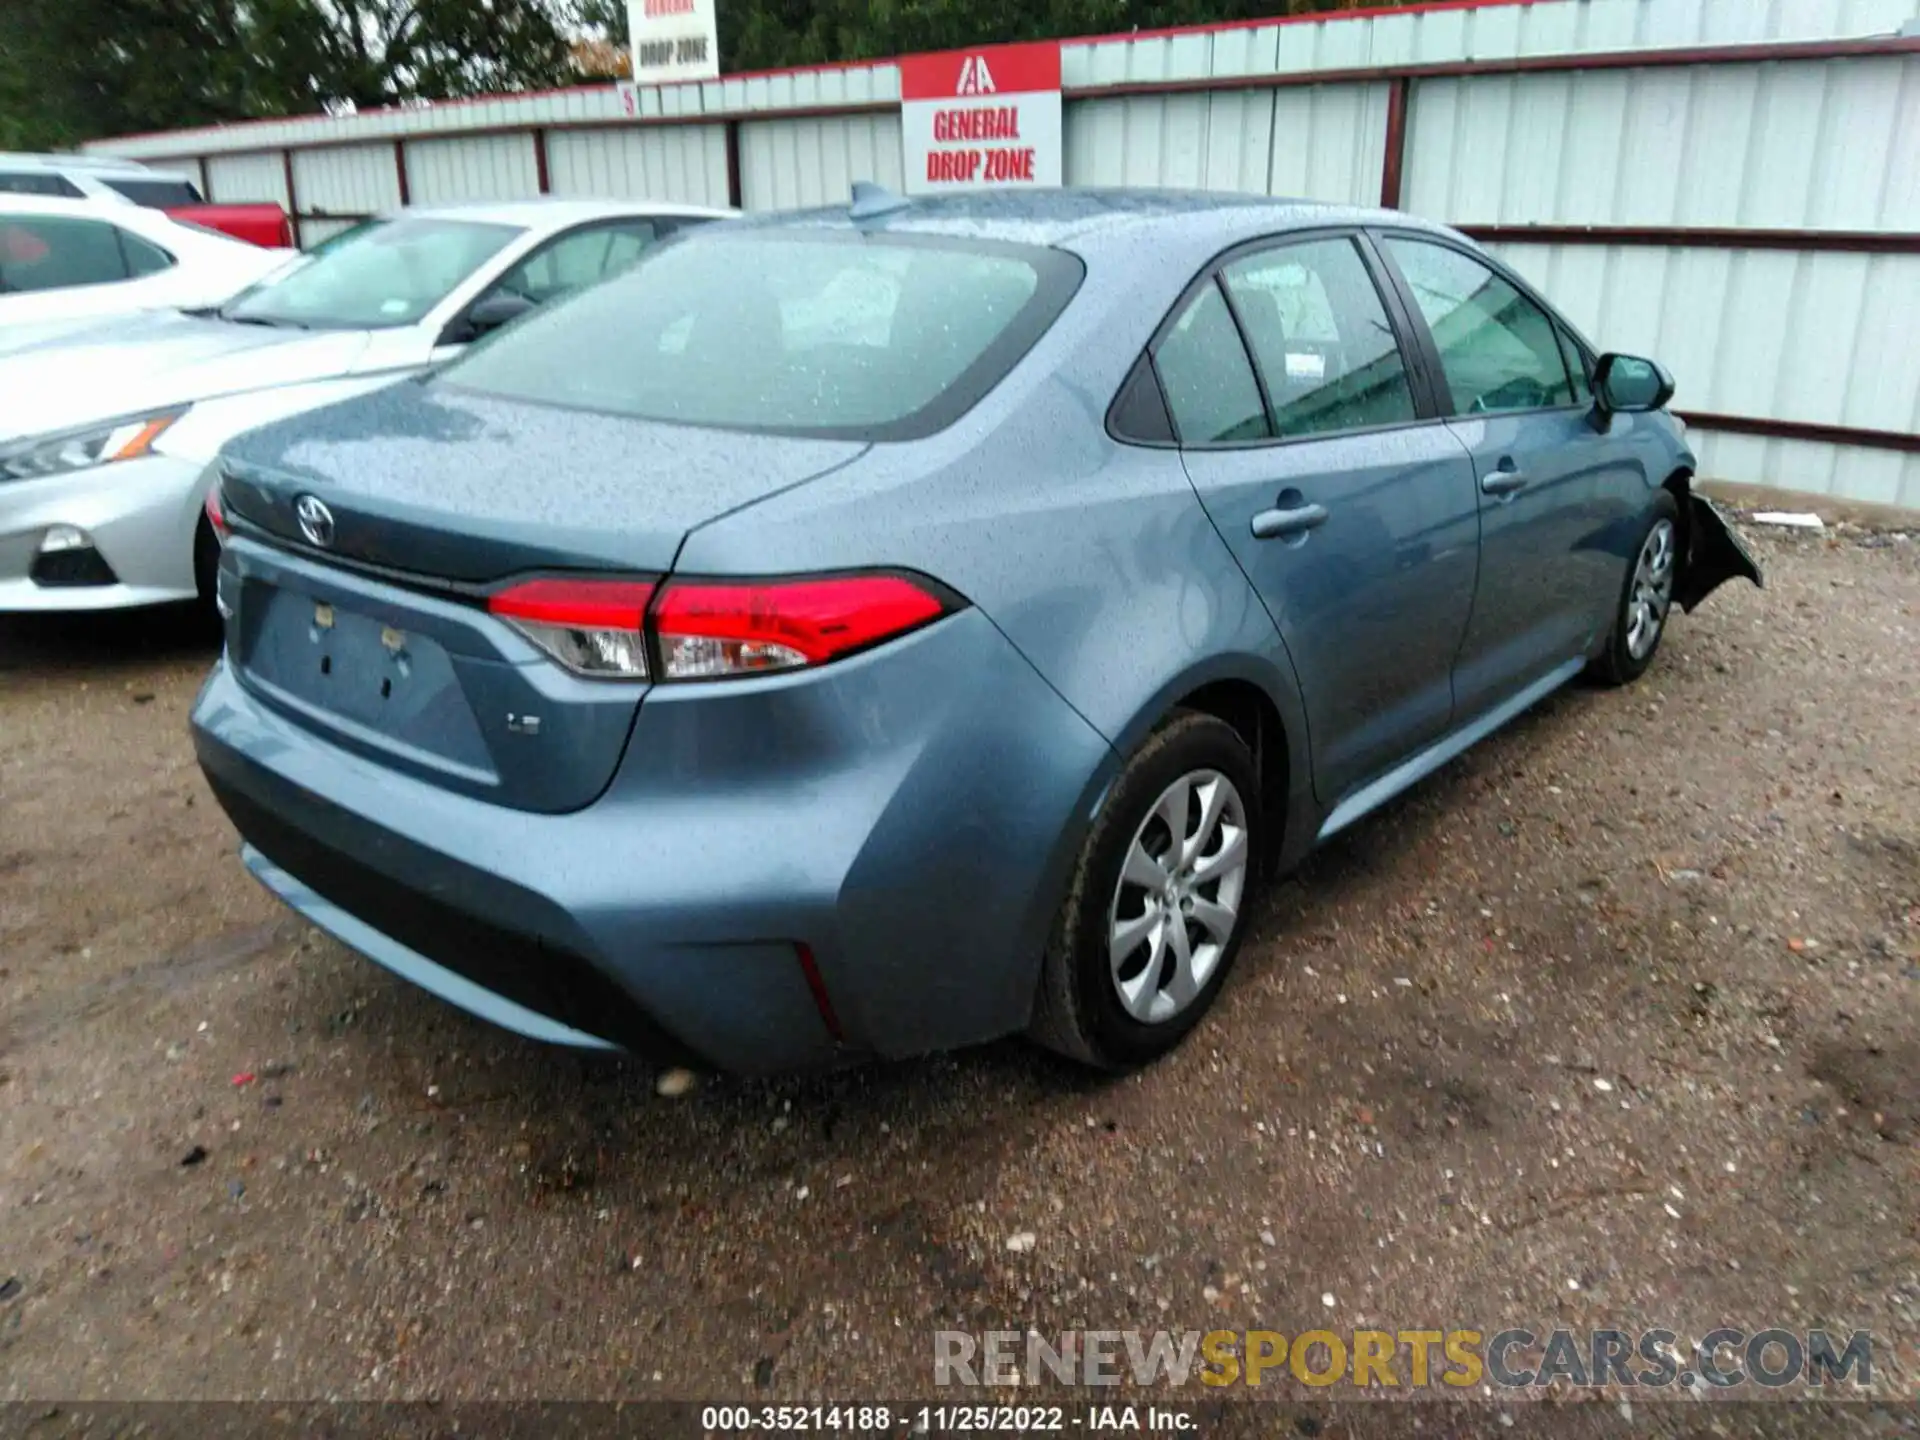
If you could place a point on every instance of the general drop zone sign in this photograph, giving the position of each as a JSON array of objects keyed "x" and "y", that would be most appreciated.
[
  {"x": 673, "y": 40},
  {"x": 985, "y": 119}
]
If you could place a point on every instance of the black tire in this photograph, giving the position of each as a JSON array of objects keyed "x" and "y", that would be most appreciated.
[
  {"x": 1617, "y": 664},
  {"x": 1079, "y": 1011}
]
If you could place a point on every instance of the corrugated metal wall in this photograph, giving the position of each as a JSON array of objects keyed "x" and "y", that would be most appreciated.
[
  {"x": 473, "y": 167},
  {"x": 239, "y": 178},
  {"x": 1783, "y": 333},
  {"x": 785, "y": 164},
  {"x": 684, "y": 163},
  {"x": 345, "y": 180},
  {"x": 1804, "y": 143},
  {"x": 1314, "y": 142}
]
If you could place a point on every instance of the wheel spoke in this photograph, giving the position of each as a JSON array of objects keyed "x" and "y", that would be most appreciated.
[
  {"x": 1231, "y": 856},
  {"x": 1217, "y": 920},
  {"x": 1138, "y": 994},
  {"x": 1126, "y": 935},
  {"x": 1173, "y": 809},
  {"x": 1143, "y": 870},
  {"x": 1213, "y": 804},
  {"x": 1185, "y": 984}
]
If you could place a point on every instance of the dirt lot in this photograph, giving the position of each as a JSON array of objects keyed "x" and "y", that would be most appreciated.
[{"x": 1614, "y": 1022}]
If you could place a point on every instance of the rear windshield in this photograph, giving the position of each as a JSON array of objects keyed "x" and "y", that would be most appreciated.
[
  {"x": 156, "y": 194},
  {"x": 805, "y": 333}
]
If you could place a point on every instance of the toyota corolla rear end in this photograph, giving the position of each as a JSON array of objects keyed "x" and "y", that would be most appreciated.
[{"x": 472, "y": 720}]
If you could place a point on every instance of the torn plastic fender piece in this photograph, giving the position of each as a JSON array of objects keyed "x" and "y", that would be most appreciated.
[{"x": 1715, "y": 555}]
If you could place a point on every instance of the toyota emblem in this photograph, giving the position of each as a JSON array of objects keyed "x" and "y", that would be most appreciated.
[{"x": 316, "y": 520}]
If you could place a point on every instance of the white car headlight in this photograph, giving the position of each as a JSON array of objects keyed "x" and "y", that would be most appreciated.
[{"x": 127, "y": 438}]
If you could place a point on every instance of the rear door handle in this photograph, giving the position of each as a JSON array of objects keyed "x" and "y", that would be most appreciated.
[
  {"x": 1503, "y": 482},
  {"x": 1273, "y": 524}
]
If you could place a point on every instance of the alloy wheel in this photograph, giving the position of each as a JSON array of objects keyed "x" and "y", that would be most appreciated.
[
  {"x": 1652, "y": 593},
  {"x": 1179, "y": 896}
]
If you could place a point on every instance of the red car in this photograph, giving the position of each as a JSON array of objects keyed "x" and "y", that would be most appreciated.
[{"x": 264, "y": 224}]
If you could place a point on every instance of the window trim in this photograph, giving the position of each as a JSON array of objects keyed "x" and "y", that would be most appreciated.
[
  {"x": 1443, "y": 393},
  {"x": 121, "y": 235},
  {"x": 1426, "y": 408}
]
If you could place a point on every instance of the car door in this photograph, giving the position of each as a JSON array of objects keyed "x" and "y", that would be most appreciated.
[
  {"x": 1555, "y": 492},
  {"x": 1313, "y": 445}
]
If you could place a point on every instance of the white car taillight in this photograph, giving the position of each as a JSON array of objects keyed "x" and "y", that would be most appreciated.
[{"x": 594, "y": 628}]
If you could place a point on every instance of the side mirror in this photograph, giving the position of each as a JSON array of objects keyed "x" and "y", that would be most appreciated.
[
  {"x": 488, "y": 314},
  {"x": 1628, "y": 384}
]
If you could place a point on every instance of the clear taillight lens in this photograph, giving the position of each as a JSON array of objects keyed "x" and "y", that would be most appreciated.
[
  {"x": 715, "y": 629},
  {"x": 592, "y": 627}
]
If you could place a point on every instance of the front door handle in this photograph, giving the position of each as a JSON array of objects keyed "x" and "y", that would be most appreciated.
[
  {"x": 1273, "y": 524},
  {"x": 1503, "y": 482}
]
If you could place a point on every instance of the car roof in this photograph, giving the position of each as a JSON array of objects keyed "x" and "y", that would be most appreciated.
[
  {"x": 77, "y": 164},
  {"x": 554, "y": 212},
  {"x": 1084, "y": 220},
  {"x": 78, "y": 207}
]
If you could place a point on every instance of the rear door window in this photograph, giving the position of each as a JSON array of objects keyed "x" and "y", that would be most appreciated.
[
  {"x": 577, "y": 260},
  {"x": 163, "y": 193},
  {"x": 1209, "y": 382},
  {"x": 44, "y": 252},
  {"x": 39, "y": 182},
  {"x": 1321, "y": 336},
  {"x": 143, "y": 256},
  {"x": 828, "y": 334}
]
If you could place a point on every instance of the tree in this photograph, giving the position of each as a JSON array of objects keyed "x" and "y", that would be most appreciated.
[{"x": 73, "y": 69}]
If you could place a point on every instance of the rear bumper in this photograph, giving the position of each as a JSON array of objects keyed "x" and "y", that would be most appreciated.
[
  {"x": 140, "y": 516},
  {"x": 908, "y": 816}
]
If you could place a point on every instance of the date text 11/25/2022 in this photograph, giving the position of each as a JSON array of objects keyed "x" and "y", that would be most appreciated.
[{"x": 948, "y": 1419}]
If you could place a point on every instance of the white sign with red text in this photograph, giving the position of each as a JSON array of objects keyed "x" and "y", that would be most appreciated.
[
  {"x": 673, "y": 40},
  {"x": 982, "y": 119}
]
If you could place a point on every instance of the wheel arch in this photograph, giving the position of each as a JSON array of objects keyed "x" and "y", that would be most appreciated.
[{"x": 1262, "y": 705}]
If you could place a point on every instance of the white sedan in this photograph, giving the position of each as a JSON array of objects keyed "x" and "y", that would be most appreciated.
[
  {"x": 67, "y": 260},
  {"x": 106, "y": 432}
]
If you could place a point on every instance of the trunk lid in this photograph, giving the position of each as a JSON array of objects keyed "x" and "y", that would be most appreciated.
[{"x": 379, "y": 640}]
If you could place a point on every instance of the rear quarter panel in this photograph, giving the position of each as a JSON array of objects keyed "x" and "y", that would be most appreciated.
[{"x": 1095, "y": 559}]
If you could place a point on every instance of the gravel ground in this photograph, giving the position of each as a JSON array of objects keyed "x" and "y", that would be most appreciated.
[{"x": 1616, "y": 1021}]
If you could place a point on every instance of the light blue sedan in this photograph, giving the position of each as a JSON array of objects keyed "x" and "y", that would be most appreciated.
[{"x": 881, "y": 629}]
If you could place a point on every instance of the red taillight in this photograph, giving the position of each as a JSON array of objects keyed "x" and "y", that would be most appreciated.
[
  {"x": 585, "y": 604},
  {"x": 713, "y": 629},
  {"x": 709, "y": 629},
  {"x": 216, "y": 517},
  {"x": 593, "y": 627}
]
